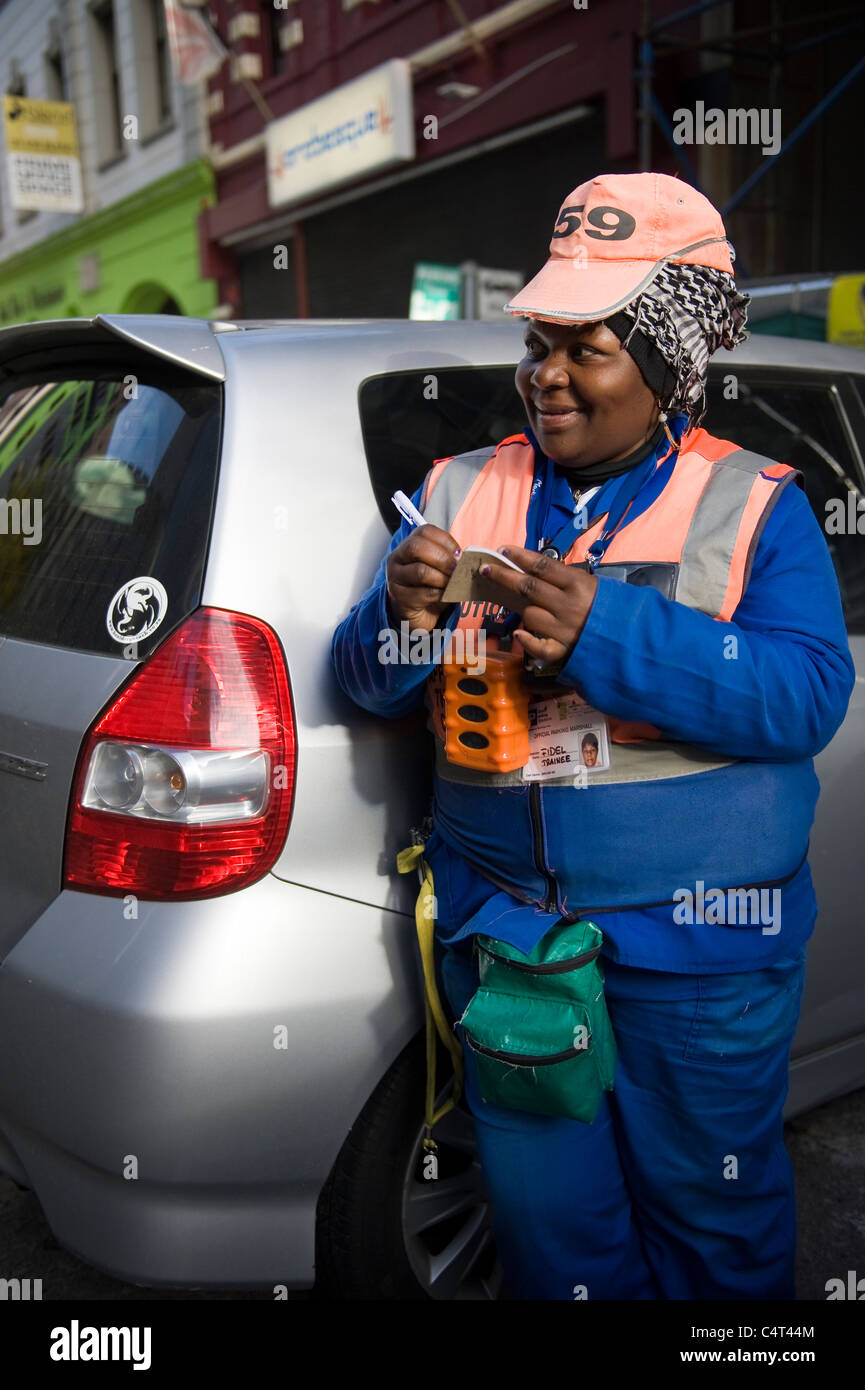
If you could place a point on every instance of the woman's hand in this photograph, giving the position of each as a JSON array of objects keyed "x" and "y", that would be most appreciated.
[
  {"x": 554, "y": 600},
  {"x": 417, "y": 573}
]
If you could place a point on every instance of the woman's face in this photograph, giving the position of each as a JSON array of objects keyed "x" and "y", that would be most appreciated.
[{"x": 584, "y": 395}]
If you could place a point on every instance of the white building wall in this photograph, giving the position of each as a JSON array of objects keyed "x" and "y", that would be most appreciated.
[{"x": 24, "y": 41}]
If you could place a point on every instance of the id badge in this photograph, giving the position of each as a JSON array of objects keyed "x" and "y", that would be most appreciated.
[{"x": 567, "y": 737}]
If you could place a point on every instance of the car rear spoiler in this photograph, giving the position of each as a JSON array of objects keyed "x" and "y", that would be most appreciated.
[{"x": 191, "y": 343}]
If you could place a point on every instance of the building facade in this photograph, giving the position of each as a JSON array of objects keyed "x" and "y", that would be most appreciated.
[
  {"x": 142, "y": 141},
  {"x": 506, "y": 115},
  {"x": 509, "y": 111},
  {"x": 261, "y": 193}
]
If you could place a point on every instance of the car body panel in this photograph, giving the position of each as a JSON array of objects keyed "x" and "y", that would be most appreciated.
[
  {"x": 833, "y": 1006},
  {"x": 226, "y": 1046},
  {"x": 49, "y": 696},
  {"x": 311, "y": 505}
]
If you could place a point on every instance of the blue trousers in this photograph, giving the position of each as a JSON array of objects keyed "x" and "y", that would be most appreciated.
[{"x": 681, "y": 1188}]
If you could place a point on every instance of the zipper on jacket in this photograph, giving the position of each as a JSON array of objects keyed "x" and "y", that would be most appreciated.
[
  {"x": 551, "y": 902},
  {"x": 589, "y": 911}
]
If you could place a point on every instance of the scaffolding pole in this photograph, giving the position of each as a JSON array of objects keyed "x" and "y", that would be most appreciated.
[{"x": 653, "y": 33}]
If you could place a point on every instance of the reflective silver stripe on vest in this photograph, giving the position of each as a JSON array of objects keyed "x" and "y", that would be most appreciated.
[
  {"x": 707, "y": 554},
  {"x": 453, "y": 486},
  {"x": 654, "y": 760}
]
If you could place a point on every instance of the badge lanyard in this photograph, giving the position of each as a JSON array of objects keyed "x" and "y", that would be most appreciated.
[
  {"x": 630, "y": 485},
  {"x": 620, "y": 499}
]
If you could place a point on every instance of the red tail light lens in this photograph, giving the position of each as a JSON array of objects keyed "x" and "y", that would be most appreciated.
[{"x": 184, "y": 787}]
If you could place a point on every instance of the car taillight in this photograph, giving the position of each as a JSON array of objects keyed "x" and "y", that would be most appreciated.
[{"x": 184, "y": 787}]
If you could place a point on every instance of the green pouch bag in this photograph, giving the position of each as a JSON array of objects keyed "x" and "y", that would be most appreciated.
[{"x": 538, "y": 1025}]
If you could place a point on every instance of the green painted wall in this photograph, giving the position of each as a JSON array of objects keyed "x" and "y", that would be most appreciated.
[{"x": 147, "y": 250}]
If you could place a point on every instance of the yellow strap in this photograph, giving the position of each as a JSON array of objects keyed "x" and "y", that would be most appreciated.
[{"x": 424, "y": 915}]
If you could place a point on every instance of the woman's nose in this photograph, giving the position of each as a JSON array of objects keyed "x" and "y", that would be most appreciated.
[{"x": 552, "y": 371}]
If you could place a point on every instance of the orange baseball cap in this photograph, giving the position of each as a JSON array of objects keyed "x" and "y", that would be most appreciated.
[{"x": 611, "y": 238}]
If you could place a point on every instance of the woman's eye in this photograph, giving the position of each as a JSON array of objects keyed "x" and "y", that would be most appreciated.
[{"x": 579, "y": 351}]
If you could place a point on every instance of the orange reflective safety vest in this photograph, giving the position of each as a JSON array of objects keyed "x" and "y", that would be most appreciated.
[{"x": 695, "y": 542}]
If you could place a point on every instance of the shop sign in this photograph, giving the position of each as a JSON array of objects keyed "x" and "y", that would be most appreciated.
[
  {"x": 363, "y": 126},
  {"x": 845, "y": 322},
  {"x": 436, "y": 291},
  {"x": 21, "y": 305},
  {"x": 494, "y": 289},
  {"x": 42, "y": 161}
]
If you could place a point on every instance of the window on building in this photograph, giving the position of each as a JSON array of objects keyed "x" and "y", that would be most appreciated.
[
  {"x": 55, "y": 77},
  {"x": 152, "y": 67},
  {"x": 273, "y": 22},
  {"x": 283, "y": 31},
  {"x": 56, "y": 83},
  {"x": 17, "y": 84},
  {"x": 163, "y": 58},
  {"x": 105, "y": 78}
]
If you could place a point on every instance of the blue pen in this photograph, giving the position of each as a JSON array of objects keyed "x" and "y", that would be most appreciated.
[{"x": 407, "y": 509}]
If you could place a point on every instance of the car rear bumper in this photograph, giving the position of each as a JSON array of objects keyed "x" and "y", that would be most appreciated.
[{"x": 175, "y": 1085}]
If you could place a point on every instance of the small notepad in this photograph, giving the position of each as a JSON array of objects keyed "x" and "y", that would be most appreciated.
[{"x": 467, "y": 584}]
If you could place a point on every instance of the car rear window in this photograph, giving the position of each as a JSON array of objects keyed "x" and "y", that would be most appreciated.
[
  {"x": 411, "y": 418},
  {"x": 106, "y": 484},
  {"x": 796, "y": 417}
]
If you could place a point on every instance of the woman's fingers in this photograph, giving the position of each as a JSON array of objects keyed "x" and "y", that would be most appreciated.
[
  {"x": 430, "y": 548},
  {"x": 541, "y": 566},
  {"x": 542, "y": 623},
  {"x": 533, "y": 589},
  {"x": 554, "y": 599},
  {"x": 418, "y": 572},
  {"x": 546, "y": 649},
  {"x": 420, "y": 575}
]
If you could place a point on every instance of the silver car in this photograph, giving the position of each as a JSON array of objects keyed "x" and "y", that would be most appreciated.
[{"x": 211, "y": 1072}]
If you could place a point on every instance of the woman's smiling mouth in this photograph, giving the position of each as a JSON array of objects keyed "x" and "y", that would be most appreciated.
[{"x": 557, "y": 417}]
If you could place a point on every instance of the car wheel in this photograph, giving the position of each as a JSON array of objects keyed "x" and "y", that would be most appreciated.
[{"x": 385, "y": 1229}]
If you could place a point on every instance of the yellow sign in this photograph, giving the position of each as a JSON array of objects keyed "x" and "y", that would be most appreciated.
[
  {"x": 845, "y": 322},
  {"x": 39, "y": 127},
  {"x": 42, "y": 155}
]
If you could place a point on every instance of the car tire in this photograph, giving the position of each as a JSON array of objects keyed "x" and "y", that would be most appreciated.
[{"x": 383, "y": 1230}]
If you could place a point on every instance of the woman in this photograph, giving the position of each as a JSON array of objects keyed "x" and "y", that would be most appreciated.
[{"x": 680, "y": 588}]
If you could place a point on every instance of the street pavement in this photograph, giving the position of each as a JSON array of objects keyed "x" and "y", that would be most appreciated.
[{"x": 827, "y": 1147}]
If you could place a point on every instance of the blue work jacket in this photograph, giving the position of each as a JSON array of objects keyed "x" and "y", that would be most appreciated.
[{"x": 645, "y": 657}]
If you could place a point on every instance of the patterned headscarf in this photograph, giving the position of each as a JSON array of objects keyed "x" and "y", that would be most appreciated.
[{"x": 685, "y": 314}]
